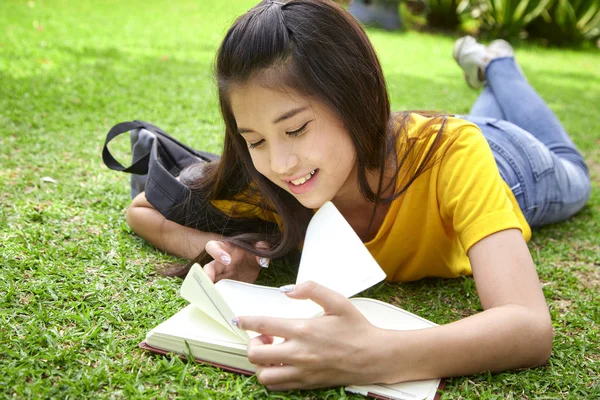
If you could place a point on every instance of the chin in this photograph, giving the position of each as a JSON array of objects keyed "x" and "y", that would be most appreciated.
[{"x": 312, "y": 203}]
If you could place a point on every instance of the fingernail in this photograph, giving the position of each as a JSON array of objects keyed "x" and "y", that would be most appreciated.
[
  {"x": 264, "y": 262},
  {"x": 286, "y": 288},
  {"x": 235, "y": 321},
  {"x": 225, "y": 259}
]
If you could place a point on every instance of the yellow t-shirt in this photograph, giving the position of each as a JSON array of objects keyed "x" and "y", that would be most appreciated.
[
  {"x": 460, "y": 200},
  {"x": 428, "y": 230},
  {"x": 247, "y": 204}
]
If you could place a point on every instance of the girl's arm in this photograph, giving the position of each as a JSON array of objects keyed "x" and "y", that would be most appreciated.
[
  {"x": 513, "y": 331},
  {"x": 229, "y": 261},
  {"x": 166, "y": 235}
]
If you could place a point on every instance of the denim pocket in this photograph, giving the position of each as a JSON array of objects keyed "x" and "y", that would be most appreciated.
[
  {"x": 538, "y": 155},
  {"x": 540, "y": 159}
]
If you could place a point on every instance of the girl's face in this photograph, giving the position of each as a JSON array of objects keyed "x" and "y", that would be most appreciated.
[{"x": 296, "y": 142}]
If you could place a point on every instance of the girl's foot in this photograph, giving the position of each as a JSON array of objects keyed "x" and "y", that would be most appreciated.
[{"x": 473, "y": 57}]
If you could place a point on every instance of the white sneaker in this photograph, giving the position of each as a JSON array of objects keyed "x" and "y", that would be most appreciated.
[
  {"x": 471, "y": 56},
  {"x": 499, "y": 48}
]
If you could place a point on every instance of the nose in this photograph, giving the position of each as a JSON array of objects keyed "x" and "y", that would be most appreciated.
[{"x": 284, "y": 159}]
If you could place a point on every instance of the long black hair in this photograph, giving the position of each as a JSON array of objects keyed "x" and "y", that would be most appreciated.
[{"x": 315, "y": 48}]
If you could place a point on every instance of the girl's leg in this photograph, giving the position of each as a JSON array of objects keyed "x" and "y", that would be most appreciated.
[
  {"x": 534, "y": 154},
  {"x": 486, "y": 105},
  {"x": 523, "y": 106},
  {"x": 548, "y": 188}
]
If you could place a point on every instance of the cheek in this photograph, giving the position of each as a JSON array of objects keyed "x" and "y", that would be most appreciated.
[
  {"x": 338, "y": 149},
  {"x": 260, "y": 163}
]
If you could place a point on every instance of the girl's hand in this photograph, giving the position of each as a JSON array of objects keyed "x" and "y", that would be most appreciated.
[
  {"x": 231, "y": 262},
  {"x": 339, "y": 348}
]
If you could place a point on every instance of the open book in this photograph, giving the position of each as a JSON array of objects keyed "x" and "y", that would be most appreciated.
[{"x": 333, "y": 256}]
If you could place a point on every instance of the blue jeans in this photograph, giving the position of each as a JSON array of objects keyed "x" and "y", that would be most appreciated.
[{"x": 535, "y": 155}]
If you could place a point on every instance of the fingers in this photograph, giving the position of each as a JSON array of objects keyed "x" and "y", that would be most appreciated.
[
  {"x": 220, "y": 251},
  {"x": 263, "y": 261},
  {"x": 221, "y": 258},
  {"x": 279, "y": 377},
  {"x": 331, "y": 301},
  {"x": 262, "y": 245},
  {"x": 262, "y": 352},
  {"x": 210, "y": 270},
  {"x": 264, "y": 339},
  {"x": 269, "y": 326}
]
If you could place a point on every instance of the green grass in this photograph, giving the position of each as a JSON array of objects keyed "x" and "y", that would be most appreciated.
[{"x": 78, "y": 289}]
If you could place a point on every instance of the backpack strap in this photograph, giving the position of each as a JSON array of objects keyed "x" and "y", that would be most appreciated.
[
  {"x": 155, "y": 170},
  {"x": 139, "y": 166}
]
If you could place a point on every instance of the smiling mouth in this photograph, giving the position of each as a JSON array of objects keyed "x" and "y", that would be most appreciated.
[{"x": 302, "y": 180}]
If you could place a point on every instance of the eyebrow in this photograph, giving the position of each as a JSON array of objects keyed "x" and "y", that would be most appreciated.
[{"x": 282, "y": 117}]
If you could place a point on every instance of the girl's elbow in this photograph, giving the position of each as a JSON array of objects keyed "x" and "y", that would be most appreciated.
[
  {"x": 547, "y": 337},
  {"x": 541, "y": 340},
  {"x": 145, "y": 221},
  {"x": 135, "y": 217},
  {"x": 131, "y": 215}
]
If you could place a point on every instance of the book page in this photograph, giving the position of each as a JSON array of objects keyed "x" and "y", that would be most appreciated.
[
  {"x": 387, "y": 316},
  {"x": 193, "y": 325},
  {"x": 416, "y": 390},
  {"x": 255, "y": 300},
  {"x": 192, "y": 331},
  {"x": 198, "y": 289},
  {"x": 334, "y": 256}
]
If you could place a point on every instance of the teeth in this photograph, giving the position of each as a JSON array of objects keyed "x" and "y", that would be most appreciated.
[{"x": 300, "y": 181}]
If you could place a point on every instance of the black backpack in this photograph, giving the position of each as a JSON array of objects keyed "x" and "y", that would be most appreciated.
[{"x": 157, "y": 160}]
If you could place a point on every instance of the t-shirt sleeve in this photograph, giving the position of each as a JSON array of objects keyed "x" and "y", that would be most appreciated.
[
  {"x": 247, "y": 204},
  {"x": 471, "y": 192}
]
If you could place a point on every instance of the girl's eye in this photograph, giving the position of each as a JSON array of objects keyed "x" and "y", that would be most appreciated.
[
  {"x": 293, "y": 133},
  {"x": 253, "y": 145},
  {"x": 299, "y": 131}
]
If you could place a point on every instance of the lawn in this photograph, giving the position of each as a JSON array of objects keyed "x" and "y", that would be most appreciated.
[{"x": 78, "y": 290}]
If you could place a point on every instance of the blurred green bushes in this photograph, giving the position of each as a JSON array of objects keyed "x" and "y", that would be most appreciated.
[
  {"x": 553, "y": 22},
  {"x": 565, "y": 22}
]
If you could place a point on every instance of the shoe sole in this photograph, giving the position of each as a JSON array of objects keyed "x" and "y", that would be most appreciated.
[{"x": 458, "y": 45}]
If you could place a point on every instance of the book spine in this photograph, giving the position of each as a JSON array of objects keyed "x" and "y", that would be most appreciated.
[{"x": 146, "y": 346}]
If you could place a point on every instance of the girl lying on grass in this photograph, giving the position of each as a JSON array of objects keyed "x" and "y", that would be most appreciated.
[{"x": 307, "y": 120}]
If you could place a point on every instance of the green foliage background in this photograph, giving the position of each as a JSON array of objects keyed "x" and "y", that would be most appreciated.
[
  {"x": 78, "y": 289},
  {"x": 566, "y": 23}
]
